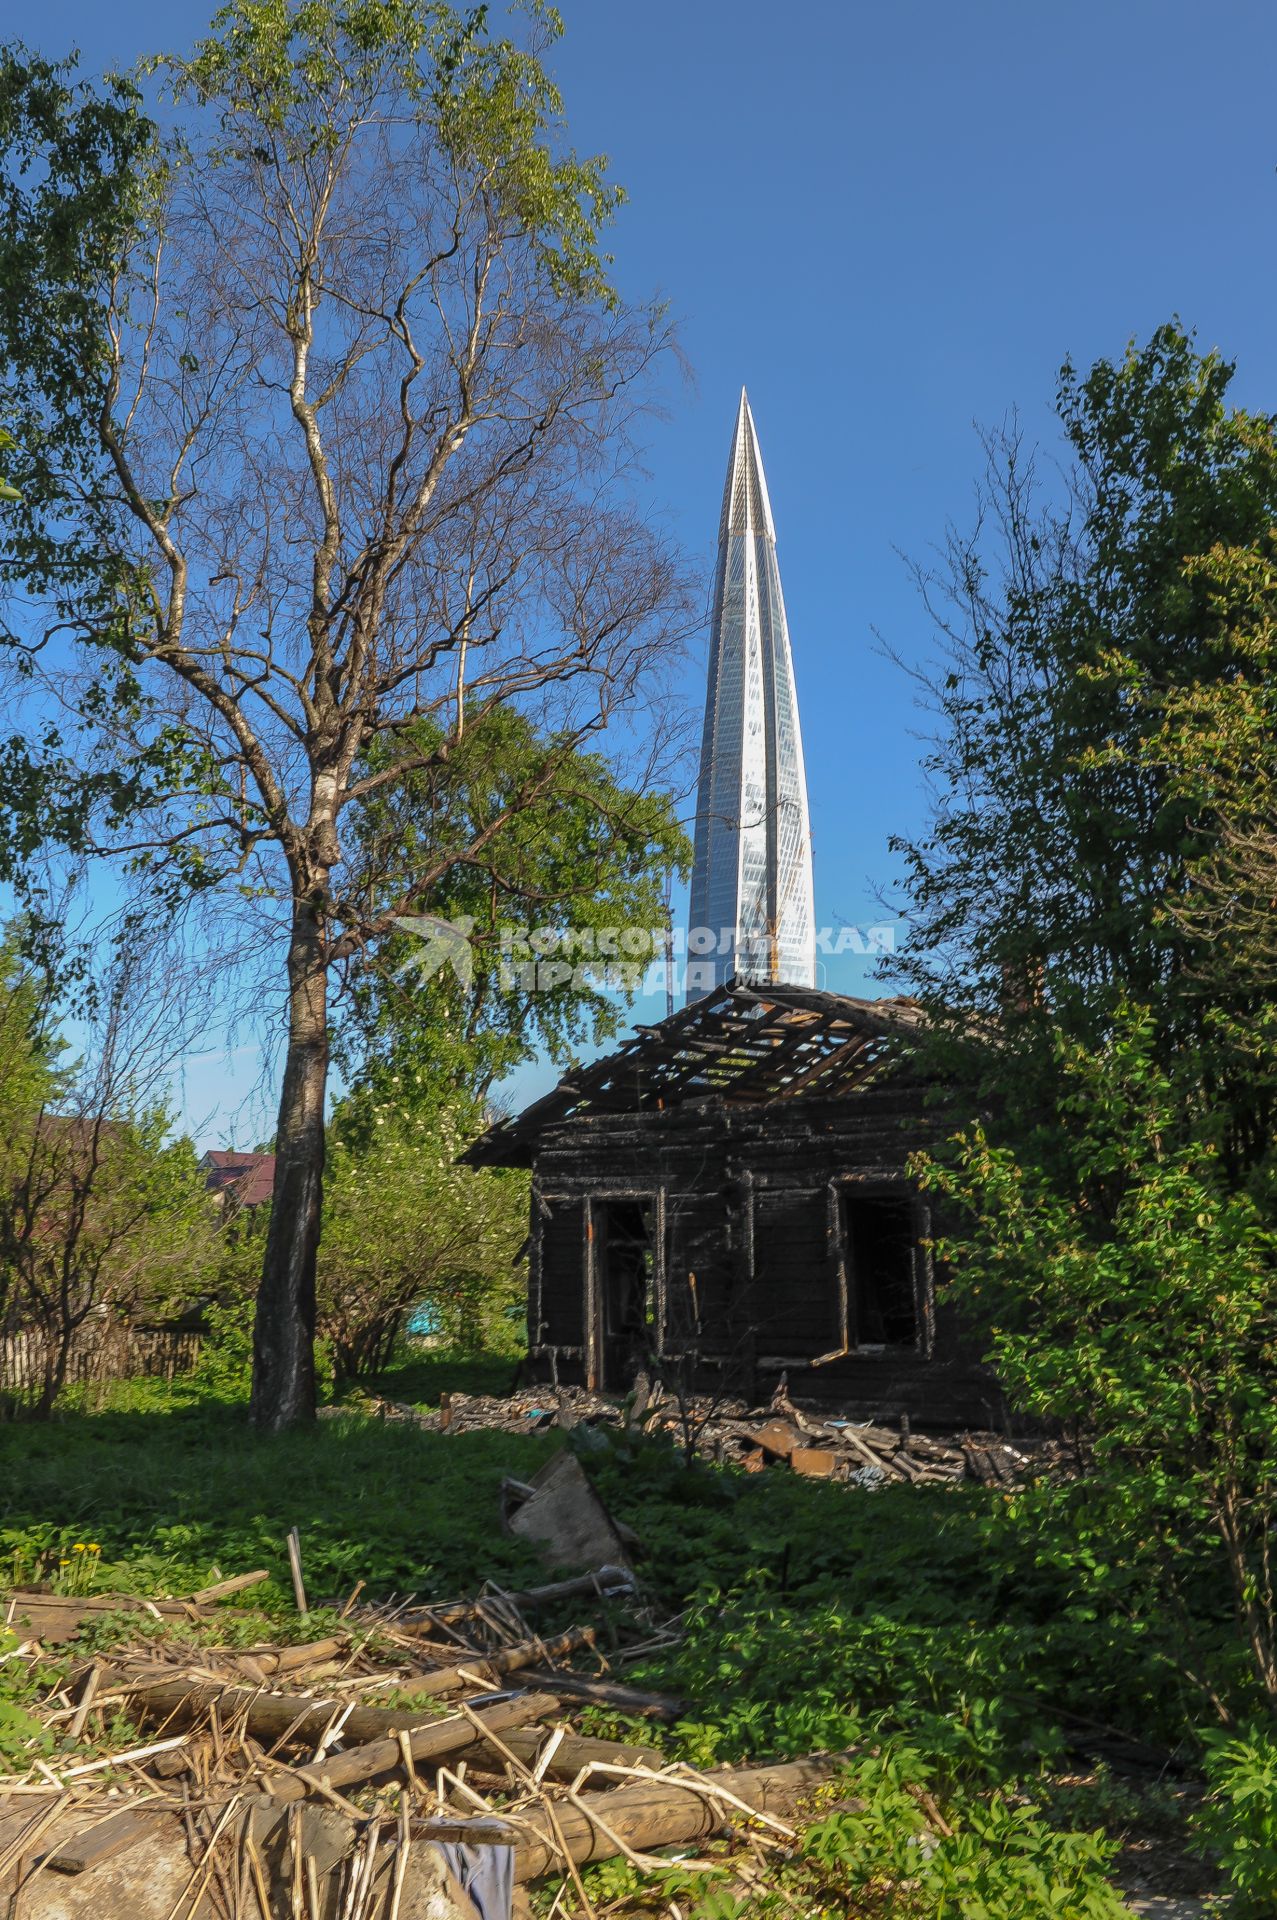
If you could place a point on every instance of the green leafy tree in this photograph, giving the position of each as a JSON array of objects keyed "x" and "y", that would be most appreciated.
[
  {"x": 1238, "y": 1819},
  {"x": 1104, "y": 783},
  {"x": 76, "y": 168},
  {"x": 405, "y": 1227},
  {"x": 1214, "y": 741},
  {"x": 29, "y": 1046},
  {"x": 582, "y": 869},
  {"x": 1075, "y": 630},
  {"x": 7, "y": 492},
  {"x": 102, "y": 1212},
  {"x": 1132, "y": 1295},
  {"x": 346, "y": 398}
]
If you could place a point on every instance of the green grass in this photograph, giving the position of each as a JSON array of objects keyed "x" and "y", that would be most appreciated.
[
  {"x": 961, "y": 1607},
  {"x": 171, "y": 1486},
  {"x": 423, "y": 1373},
  {"x": 955, "y": 1633}
]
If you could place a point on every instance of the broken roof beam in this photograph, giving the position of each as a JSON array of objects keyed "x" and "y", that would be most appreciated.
[{"x": 739, "y": 1044}]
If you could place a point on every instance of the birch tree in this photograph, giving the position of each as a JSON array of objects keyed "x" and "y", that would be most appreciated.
[{"x": 333, "y": 436}]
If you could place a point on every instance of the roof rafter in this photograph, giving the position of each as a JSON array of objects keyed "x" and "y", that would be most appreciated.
[{"x": 741, "y": 1044}]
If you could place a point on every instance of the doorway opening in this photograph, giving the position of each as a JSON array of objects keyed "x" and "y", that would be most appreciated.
[
  {"x": 880, "y": 1242},
  {"x": 624, "y": 1256}
]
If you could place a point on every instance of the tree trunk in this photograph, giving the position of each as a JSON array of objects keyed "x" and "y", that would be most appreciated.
[
  {"x": 284, "y": 1329},
  {"x": 658, "y": 1813}
]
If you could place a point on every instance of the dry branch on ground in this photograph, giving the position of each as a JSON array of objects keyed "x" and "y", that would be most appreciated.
[{"x": 266, "y": 1781}]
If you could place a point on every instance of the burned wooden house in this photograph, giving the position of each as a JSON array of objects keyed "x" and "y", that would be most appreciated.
[{"x": 726, "y": 1197}]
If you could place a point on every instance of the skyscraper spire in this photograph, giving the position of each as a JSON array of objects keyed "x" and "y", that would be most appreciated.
[{"x": 751, "y": 898}]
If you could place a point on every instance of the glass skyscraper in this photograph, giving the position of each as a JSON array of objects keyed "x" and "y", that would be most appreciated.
[{"x": 751, "y": 912}]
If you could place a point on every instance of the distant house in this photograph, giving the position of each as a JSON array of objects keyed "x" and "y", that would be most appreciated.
[
  {"x": 238, "y": 1181},
  {"x": 728, "y": 1195}
]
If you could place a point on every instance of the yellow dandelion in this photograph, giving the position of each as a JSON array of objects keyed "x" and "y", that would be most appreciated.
[
  {"x": 64, "y": 1563},
  {"x": 78, "y": 1547},
  {"x": 94, "y": 1547}
]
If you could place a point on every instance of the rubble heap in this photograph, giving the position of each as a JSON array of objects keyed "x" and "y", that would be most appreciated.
[
  {"x": 726, "y": 1432},
  {"x": 262, "y": 1781}
]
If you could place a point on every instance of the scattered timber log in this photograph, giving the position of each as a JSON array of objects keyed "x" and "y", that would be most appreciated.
[
  {"x": 603, "y": 1582},
  {"x": 299, "y": 1718},
  {"x": 502, "y": 1660},
  {"x": 662, "y": 1812},
  {"x": 225, "y": 1588},
  {"x": 57, "y": 1617},
  {"x": 277, "y": 1660},
  {"x": 572, "y": 1752},
  {"x": 606, "y": 1693},
  {"x": 1003, "y": 1464},
  {"x": 863, "y": 1451},
  {"x": 926, "y": 1448},
  {"x": 433, "y": 1742},
  {"x": 100, "y": 1842},
  {"x": 977, "y": 1459}
]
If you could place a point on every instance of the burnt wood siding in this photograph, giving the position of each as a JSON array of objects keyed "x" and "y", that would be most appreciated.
[
  {"x": 795, "y": 1290},
  {"x": 753, "y": 1269},
  {"x": 562, "y": 1271}
]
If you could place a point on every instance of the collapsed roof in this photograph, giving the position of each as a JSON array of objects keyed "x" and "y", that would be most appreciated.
[{"x": 739, "y": 1044}]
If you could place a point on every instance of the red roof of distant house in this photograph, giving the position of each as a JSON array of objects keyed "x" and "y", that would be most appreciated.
[
  {"x": 222, "y": 1166},
  {"x": 255, "y": 1187},
  {"x": 247, "y": 1179}
]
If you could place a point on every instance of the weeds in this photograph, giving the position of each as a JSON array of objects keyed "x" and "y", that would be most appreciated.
[
  {"x": 1237, "y": 1822},
  {"x": 951, "y": 1638}
]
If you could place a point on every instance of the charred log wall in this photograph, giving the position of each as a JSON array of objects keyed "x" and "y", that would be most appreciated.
[{"x": 756, "y": 1215}]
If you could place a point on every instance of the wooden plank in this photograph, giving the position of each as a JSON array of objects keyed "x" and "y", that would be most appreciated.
[
  {"x": 303, "y": 1719},
  {"x": 56, "y": 1617},
  {"x": 607, "y": 1580},
  {"x": 225, "y": 1588},
  {"x": 574, "y": 1751},
  {"x": 490, "y": 1665},
  {"x": 102, "y": 1842}
]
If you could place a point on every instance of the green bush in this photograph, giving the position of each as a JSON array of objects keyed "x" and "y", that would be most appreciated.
[
  {"x": 973, "y": 1699},
  {"x": 894, "y": 1852},
  {"x": 1237, "y": 1822},
  {"x": 21, "y": 1737},
  {"x": 1128, "y": 1292},
  {"x": 224, "y": 1370}
]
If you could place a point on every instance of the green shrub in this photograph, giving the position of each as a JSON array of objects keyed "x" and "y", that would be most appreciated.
[
  {"x": 973, "y": 1699},
  {"x": 1237, "y": 1822},
  {"x": 893, "y": 1851},
  {"x": 224, "y": 1370},
  {"x": 21, "y": 1737}
]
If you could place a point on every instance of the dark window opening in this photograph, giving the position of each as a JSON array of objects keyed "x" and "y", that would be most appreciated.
[
  {"x": 623, "y": 1254},
  {"x": 880, "y": 1271}
]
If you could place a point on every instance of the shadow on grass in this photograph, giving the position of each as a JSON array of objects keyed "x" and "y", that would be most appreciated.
[
  {"x": 173, "y": 1486},
  {"x": 420, "y": 1377},
  {"x": 823, "y": 1607}
]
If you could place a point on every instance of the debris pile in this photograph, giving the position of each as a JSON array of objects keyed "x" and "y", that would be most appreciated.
[
  {"x": 808, "y": 1441},
  {"x": 416, "y": 1761}
]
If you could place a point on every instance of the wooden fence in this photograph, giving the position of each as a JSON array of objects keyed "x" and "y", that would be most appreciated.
[{"x": 101, "y": 1354}]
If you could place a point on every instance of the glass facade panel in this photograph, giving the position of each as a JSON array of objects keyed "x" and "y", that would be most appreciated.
[{"x": 751, "y": 874}]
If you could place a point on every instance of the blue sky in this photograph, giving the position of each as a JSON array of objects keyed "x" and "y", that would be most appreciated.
[{"x": 891, "y": 222}]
